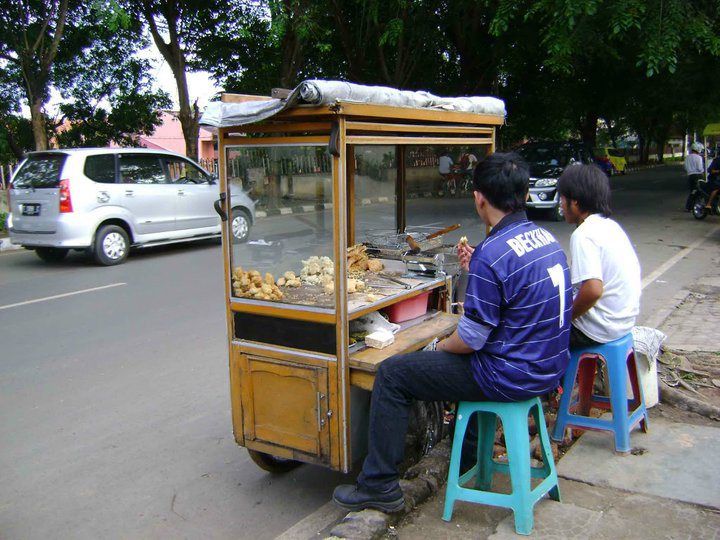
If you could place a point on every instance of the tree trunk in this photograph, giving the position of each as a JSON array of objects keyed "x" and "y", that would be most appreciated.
[
  {"x": 661, "y": 151},
  {"x": 174, "y": 55},
  {"x": 189, "y": 116},
  {"x": 37, "y": 118},
  {"x": 588, "y": 129}
]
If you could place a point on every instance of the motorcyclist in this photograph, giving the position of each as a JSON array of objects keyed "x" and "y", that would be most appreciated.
[
  {"x": 713, "y": 185},
  {"x": 694, "y": 169}
]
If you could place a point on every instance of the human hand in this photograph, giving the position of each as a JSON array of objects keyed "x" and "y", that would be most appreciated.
[{"x": 465, "y": 252}]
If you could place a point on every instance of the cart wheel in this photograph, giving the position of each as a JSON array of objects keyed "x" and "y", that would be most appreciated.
[
  {"x": 426, "y": 428},
  {"x": 271, "y": 463}
]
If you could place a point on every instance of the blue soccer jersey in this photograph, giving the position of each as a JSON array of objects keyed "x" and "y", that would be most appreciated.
[{"x": 519, "y": 288}]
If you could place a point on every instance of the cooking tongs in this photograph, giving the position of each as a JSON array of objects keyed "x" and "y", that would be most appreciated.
[{"x": 394, "y": 280}]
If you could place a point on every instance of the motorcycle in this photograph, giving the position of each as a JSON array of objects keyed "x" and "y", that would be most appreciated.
[{"x": 699, "y": 198}]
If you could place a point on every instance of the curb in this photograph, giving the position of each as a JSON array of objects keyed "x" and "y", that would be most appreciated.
[
  {"x": 421, "y": 481},
  {"x": 5, "y": 245},
  {"x": 629, "y": 169},
  {"x": 308, "y": 208}
]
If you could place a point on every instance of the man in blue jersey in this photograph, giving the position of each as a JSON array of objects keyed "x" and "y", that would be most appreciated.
[{"x": 511, "y": 343}]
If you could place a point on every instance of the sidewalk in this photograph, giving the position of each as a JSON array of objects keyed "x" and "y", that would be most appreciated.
[{"x": 668, "y": 487}]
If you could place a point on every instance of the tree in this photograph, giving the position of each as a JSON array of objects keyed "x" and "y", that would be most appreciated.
[
  {"x": 111, "y": 98},
  {"x": 602, "y": 46},
  {"x": 174, "y": 26},
  {"x": 30, "y": 49},
  {"x": 85, "y": 50}
]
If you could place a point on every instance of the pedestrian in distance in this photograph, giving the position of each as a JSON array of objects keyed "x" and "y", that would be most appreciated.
[
  {"x": 694, "y": 169},
  {"x": 510, "y": 344},
  {"x": 604, "y": 267},
  {"x": 445, "y": 168}
]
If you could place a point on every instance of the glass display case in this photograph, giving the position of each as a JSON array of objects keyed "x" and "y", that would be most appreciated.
[{"x": 345, "y": 228}]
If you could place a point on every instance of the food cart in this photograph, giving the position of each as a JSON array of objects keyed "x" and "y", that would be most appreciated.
[{"x": 333, "y": 179}]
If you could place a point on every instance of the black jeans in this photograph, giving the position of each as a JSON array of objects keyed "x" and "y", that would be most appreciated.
[
  {"x": 579, "y": 339},
  {"x": 422, "y": 376}
]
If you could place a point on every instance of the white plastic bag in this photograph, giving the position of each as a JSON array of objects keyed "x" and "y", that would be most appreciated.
[{"x": 647, "y": 342}]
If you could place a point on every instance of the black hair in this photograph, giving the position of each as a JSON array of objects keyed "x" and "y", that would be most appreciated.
[
  {"x": 588, "y": 186},
  {"x": 502, "y": 178}
]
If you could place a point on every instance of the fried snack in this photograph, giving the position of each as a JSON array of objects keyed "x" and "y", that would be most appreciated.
[
  {"x": 251, "y": 285},
  {"x": 281, "y": 281},
  {"x": 315, "y": 268},
  {"x": 373, "y": 265},
  {"x": 463, "y": 240}
]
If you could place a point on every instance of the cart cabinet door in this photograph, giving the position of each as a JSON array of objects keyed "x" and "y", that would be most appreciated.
[{"x": 286, "y": 405}]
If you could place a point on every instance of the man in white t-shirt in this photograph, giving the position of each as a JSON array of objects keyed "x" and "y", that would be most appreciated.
[
  {"x": 604, "y": 267},
  {"x": 695, "y": 170},
  {"x": 445, "y": 162}
]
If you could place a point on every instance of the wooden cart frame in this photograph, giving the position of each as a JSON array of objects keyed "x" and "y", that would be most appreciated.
[{"x": 294, "y": 402}]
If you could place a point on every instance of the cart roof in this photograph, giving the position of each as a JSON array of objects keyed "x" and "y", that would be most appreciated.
[
  {"x": 711, "y": 129},
  {"x": 323, "y": 98}
]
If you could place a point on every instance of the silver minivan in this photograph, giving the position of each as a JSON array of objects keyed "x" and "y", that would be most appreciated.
[{"x": 105, "y": 200}]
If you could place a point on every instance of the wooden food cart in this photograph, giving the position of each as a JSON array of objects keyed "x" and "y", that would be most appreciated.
[{"x": 299, "y": 390}]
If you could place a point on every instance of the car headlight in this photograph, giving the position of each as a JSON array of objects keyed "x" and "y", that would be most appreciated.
[{"x": 546, "y": 182}]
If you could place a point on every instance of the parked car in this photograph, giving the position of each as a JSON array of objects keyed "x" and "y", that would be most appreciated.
[
  {"x": 107, "y": 200},
  {"x": 612, "y": 158},
  {"x": 547, "y": 160}
]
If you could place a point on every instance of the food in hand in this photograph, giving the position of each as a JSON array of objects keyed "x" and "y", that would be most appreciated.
[{"x": 463, "y": 241}]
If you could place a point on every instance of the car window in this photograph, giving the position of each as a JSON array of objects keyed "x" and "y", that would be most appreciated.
[
  {"x": 141, "y": 169},
  {"x": 545, "y": 154},
  {"x": 184, "y": 172},
  {"x": 100, "y": 168},
  {"x": 614, "y": 152},
  {"x": 40, "y": 171}
]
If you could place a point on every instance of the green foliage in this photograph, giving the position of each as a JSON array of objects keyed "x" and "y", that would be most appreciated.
[{"x": 86, "y": 51}]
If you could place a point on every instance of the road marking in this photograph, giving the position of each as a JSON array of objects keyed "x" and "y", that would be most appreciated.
[
  {"x": 310, "y": 526},
  {"x": 672, "y": 261},
  {"x": 8, "y": 306}
]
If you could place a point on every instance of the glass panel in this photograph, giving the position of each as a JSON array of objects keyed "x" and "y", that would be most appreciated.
[
  {"x": 375, "y": 177},
  {"x": 289, "y": 189},
  {"x": 141, "y": 169},
  {"x": 40, "y": 171},
  {"x": 439, "y": 190},
  {"x": 100, "y": 168},
  {"x": 184, "y": 172}
]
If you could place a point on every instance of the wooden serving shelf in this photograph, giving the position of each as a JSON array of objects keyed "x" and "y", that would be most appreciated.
[{"x": 364, "y": 363}]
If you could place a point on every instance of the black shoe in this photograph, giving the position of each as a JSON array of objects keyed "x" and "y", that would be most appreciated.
[{"x": 355, "y": 497}]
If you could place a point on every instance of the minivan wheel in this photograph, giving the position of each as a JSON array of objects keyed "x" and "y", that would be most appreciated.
[
  {"x": 51, "y": 254},
  {"x": 240, "y": 225},
  {"x": 111, "y": 245}
]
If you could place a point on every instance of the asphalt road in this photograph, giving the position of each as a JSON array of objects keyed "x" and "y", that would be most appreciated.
[{"x": 114, "y": 407}]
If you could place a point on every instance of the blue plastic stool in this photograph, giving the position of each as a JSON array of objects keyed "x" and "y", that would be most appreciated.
[
  {"x": 514, "y": 418},
  {"x": 626, "y": 413}
]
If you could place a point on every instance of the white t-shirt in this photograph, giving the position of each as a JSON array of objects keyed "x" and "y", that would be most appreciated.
[
  {"x": 444, "y": 164},
  {"x": 694, "y": 164},
  {"x": 600, "y": 249}
]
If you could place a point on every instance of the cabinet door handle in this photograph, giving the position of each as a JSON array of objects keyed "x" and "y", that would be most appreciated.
[{"x": 320, "y": 419}]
